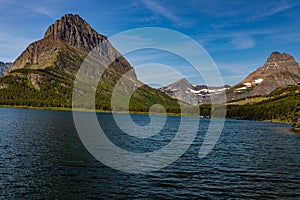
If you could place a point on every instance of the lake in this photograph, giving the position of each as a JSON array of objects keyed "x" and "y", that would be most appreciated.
[{"x": 42, "y": 157}]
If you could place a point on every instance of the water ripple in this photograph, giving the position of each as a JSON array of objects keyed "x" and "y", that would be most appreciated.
[{"x": 41, "y": 157}]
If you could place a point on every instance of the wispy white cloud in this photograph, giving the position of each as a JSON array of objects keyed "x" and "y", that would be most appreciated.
[
  {"x": 179, "y": 17},
  {"x": 274, "y": 9},
  {"x": 234, "y": 40},
  {"x": 242, "y": 43},
  {"x": 247, "y": 39},
  {"x": 242, "y": 12},
  {"x": 41, "y": 10},
  {"x": 208, "y": 37},
  {"x": 158, "y": 9}
]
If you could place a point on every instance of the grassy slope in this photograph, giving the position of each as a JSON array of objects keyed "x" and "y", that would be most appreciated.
[
  {"x": 56, "y": 91},
  {"x": 281, "y": 105},
  {"x": 52, "y": 86}
]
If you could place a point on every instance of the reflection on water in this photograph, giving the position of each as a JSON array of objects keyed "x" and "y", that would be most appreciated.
[{"x": 41, "y": 157}]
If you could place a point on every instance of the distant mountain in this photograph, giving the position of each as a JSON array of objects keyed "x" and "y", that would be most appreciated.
[
  {"x": 181, "y": 90},
  {"x": 4, "y": 67},
  {"x": 279, "y": 70},
  {"x": 184, "y": 91},
  {"x": 43, "y": 75}
]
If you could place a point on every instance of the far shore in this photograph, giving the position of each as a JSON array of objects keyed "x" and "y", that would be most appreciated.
[
  {"x": 125, "y": 112},
  {"x": 85, "y": 110}
]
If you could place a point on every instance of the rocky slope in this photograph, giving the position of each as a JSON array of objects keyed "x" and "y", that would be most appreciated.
[
  {"x": 181, "y": 90},
  {"x": 279, "y": 70},
  {"x": 4, "y": 67},
  {"x": 184, "y": 91},
  {"x": 44, "y": 74},
  {"x": 71, "y": 31}
]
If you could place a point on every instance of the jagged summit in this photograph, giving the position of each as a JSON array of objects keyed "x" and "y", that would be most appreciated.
[
  {"x": 181, "y": 82},
  {"x": 179, "y": 90},
  {"x": 75, "y": 31},
  {"x": 278, "y": 57},
  {"x": 279, "y": 62},
  {"x": 276, "y": 63},
  {"x": 65, "y": 45},
  {"x": 280, "y": 69},
  {"x": 186, "y": 92}
]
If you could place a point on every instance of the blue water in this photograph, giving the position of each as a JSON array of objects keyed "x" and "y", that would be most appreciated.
[{"x": 42, "y": 157}]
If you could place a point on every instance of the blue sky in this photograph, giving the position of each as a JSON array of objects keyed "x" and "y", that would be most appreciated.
[{"x": 238, "y": 35}]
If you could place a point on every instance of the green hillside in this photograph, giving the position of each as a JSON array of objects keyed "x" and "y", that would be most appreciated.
[
  {"x": 281, "y": 105},
  {"x": 52, "y": 87}
]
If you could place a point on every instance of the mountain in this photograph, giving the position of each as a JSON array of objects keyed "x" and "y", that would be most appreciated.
[
  {"x": 4, "y": 67},
  {"x": 184, "y": 91},
  {"x": 271, "y": 93},
  {"x": 279, "y": 70},
  {"x": 43, "y": 75},
  {"x": 181, "y": 90},
  {"x": 65, "y": 45}
]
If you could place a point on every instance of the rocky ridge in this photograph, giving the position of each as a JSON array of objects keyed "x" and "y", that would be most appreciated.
[
  {"x": 73, "y": 34},
  {"x": 188, "y": 93},
  {"x": 278, "y": 71},
  {"x": 4, "y": 67}
]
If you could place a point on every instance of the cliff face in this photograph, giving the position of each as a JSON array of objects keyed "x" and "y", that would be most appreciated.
[
  {"x": 75, "y": 31},
  {"x": 279, "y": 70},
  {"x": 69, "y": 34},
  {"x": 275, "y": 64}
]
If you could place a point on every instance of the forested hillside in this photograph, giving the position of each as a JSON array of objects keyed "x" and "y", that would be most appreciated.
[{"x": 281, "y": 105}]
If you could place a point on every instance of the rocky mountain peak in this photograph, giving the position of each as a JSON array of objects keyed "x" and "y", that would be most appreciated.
[
  {"x": 191, "y": 94},
  {"x": 278, "y": 57},
  {"x": 72, "y": 29},
  {"x": 280, "y": 69},
  {"x": 179, "y": 90},
  {"x": 65, "y": 45},
  {"x": 181, "y": 83},
  {"x": 278, "y": 62}
]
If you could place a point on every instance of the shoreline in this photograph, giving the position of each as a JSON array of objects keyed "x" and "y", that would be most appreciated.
[
  {"x": 88, "y": 110},
  {"x": 134, "y": 112}
]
